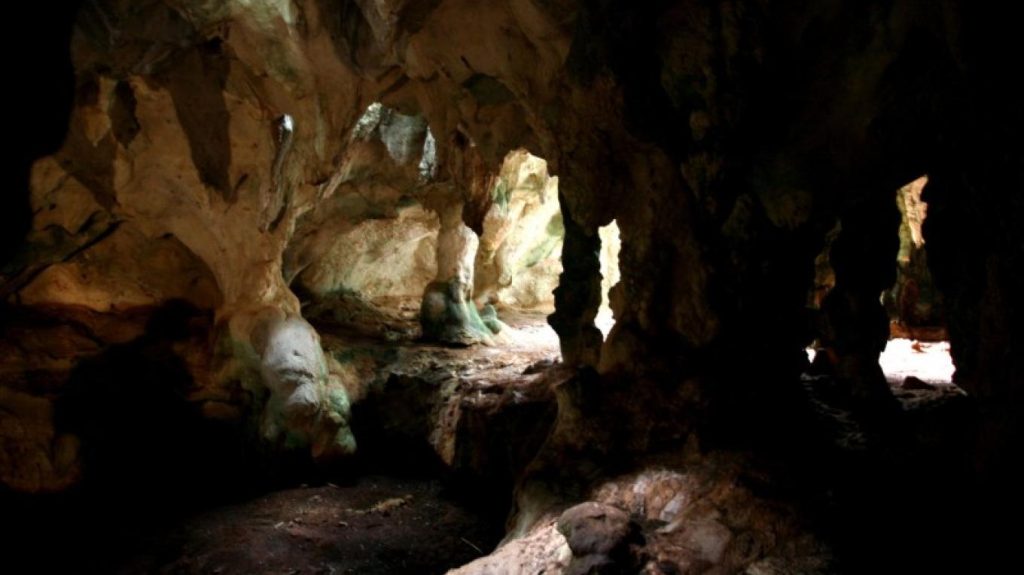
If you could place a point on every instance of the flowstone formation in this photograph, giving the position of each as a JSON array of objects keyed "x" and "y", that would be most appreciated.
[
  {"x": 448, "y": 312},
  {"x": 226, "y": 150}
]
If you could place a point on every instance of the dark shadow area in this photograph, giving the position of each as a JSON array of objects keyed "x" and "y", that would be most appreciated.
[
  {"x": 158, "y": 478},
  {"x": 139, "y": 432},
  {"x": 892, "y": 493},
  {"x": 40, "y": 103},
  {"x": 149, "y": 458},
  {"x": 393, "y": 425}
]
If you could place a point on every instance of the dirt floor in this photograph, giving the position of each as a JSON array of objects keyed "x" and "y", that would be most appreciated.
[
  {"x": 376, "y": 524},
  {"x": 379, "y": 525},
  {"x": 372, "y": 526},
  {"x": 373, "y": 518}
]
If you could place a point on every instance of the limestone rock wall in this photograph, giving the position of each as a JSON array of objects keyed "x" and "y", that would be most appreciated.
[
  {"x": 373, "y": 237},
  {"x": 200, "y": 131},
  {"x": 107, "y": 277},
  {"x": 519, "y": 259},
  {"x": 380, "y": 258}
]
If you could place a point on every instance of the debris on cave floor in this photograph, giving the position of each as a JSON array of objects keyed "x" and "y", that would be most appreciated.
[
  {"x": 379, "y": 525},
  {"x": 530, "y": 348},
  {"x": 677, "y": 513}
]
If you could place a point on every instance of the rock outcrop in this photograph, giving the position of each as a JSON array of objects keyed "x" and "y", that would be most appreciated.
[{"x": 913, "y": 302}]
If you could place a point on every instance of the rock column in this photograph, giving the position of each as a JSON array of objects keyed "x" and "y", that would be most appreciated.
[
  {"x": 856, "y": 324},
  {"x": 448, "y": 313}
]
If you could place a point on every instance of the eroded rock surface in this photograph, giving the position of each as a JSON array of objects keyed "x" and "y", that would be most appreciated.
[{"x": 519, "y": 258}]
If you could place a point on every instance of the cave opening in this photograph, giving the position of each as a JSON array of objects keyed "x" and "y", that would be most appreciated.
[
  {"x": 429, "y": 277},
  {"x": 918, "y": 351},
  {"x": 916, "y": 355},
  {"x": 611, "y": 245}
]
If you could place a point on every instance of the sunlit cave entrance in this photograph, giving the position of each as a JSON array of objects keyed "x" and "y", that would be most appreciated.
[
  {"x": 917, "y": 353},
  {"x": 610, "y": 246},
  {"x": 432, "y": 291},
  {"x": 394, "y": 236},
  {"x": 405, "y": 253}
]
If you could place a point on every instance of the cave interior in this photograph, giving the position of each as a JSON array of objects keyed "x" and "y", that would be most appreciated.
[{"x": 512, "y": 287}]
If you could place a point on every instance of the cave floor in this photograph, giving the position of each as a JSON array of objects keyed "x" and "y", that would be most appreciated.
[
  {"x": 370, "y": 525},
  {"x": 364, "y": 519},
  {"x": 529, "y": 338},
  {"x": 376, "y": 525},
  {"x": 479, "y": 377},
  {"x": 377, "y": 522}
]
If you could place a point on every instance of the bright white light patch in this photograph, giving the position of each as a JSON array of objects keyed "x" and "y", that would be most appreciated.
[
  {"x": 610, "y": 246},
  {"x": 902, "y": 358},
  {"x": 929, "y": 362}
]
